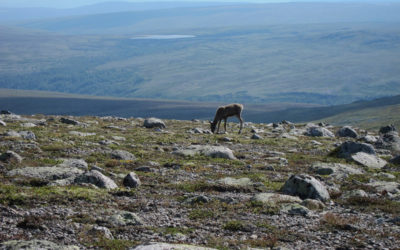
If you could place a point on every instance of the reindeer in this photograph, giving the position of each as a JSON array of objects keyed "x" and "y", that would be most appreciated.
[{"x": 223, "y": 112}]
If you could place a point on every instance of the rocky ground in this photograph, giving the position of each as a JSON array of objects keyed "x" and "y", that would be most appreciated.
[{"x": 116, "y": 183}]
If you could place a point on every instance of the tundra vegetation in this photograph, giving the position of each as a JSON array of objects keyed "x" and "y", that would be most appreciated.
[{"x": 109, "y": 182}]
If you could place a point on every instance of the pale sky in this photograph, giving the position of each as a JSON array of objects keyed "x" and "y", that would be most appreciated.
[{"x": 76, "y": 3}]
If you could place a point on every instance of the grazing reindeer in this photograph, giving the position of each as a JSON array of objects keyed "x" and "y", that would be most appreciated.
[{"x": 223, "y": 112}]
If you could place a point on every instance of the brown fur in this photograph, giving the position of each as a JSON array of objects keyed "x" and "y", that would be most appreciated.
[{"x": 223, "y": 112}]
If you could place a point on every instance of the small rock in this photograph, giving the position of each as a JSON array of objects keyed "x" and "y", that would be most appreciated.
[
  {"x": 27, "y": 135},
  {"x": 74, "y": 163},
  {"x": 28, "y": 125},
  {"x": 123, "y": 218},
  {"x": 168, "y": 246},
  {"x": 11, "y": 156},
  {"x": 313, "y": 204},
  {"x": 144, "y": 169},
  {"x": 132, "y": 180},
  {"x": 305, "y": 186},
  {"x": 2, "y": 123},
  {"x": 355, "y": 194},
  {"x": 118, "y": 138},
  {"x": 294, "y": 209},
  {"x": 395, "y": 160},
  {"x": 154, "y": 123},
  {"x": 97, "y": 233},
  {"x": 81, "y": 134},
  {"x": 96, "y": 178},
  {"x": 349, "y": 148},
  {"x": 387, "y": 129},
  {"x": 273, "y": 199},
  {"x": 347, "y": 131},
  {"x": 385, "y": 186},
  {"x": 12, "y": 133},
  {"x": 211, "y": 151},
  {"x": 69, "y": 121},
  {"x": 197, "y": 199},
  {"x": 256, "y": 137},
  {"x": 34, "y": 245},
  {"x": 108, "y": 142},
  {"x": 369, "y": 139},
  {"x": 47, "y": 173},
  {"x": 370, "y": 161},
  {"x": 319, "y": 131},
  {"x": 122, "y": 155},
  {"x": 241, "y": 182}
]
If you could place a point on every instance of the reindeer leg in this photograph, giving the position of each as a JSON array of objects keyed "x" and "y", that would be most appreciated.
[
  {"x": 241, "y": 123},
  {"x": 225, "y": 124},
  {"x": 219, "y": 123}
]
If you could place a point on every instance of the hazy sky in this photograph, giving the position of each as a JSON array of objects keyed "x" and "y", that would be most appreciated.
[{"x": 75, "y": 3}]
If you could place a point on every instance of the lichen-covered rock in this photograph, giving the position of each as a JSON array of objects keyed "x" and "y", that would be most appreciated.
[
  {"x": 348, "y": 148},
  {"x": 168, "y": 246},
  {"x": 96, "y": 178},
  {"x": 256, "y": 137},
  {"x": 389, "y": 140},
  {"x": 385, "y": 186},
  {"x": 294, "y": 209},
  {"x": 358, "y": 193},
  {"x": 305, "y": 186},
  {"x": 74, "y": 163},
  {"x": 123, "y": 218},
  {"x": 97, "y": 233},
  {"x": 122, "y": 155},
  {"x": 240, "y": 182},
  {"x": 347, "y": 131},
  {"x": 10, "y": 156},
  {"x": 319, "y": 131},
  {"x": 154, "y": 123},
  {"x": 368, "y": 160},
  {"x": 47, "y": 173},
  {"x": 211, "y": 151},
  {"x": 12, "y": 133},
  {"x": 34, "y": 245},
  {"x": 2, "y": 123},
  {"x": 273, "y": 199},
  {"x": 336, "y": 170},
  {"x": 27, "y": 135},
  {"x": 132, "y": 180}
]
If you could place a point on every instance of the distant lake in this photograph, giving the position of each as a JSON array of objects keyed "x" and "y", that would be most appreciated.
[{"x": 160, "y": 37}]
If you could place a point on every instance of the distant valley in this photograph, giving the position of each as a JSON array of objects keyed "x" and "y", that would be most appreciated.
[{"x": 305, "y": 53}]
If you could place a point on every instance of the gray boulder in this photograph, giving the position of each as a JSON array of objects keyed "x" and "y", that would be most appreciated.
[
  {"x": 197, "y": 199},
  {"x": 210, "y": 151},
  {"x": 395, "y": 160},
  {"x": 2, "y": 123},
  {"x": 10, "y": 156},
  {"x": 272, "y": 199},
  {"x": 123, "y": 218},
  {"x": 97, "y": 233},
  {"x": 337, "y": 170},
  {"x": 385, "y": 186},
  {"x": 132, "y": 180},
  {"x": 256, "y": 137},
  {"x": 34, "y": 245},
  {"x": 319, "y": 131},
  {"x": 154, "y": 123},
  {"x": 47, "y": 173},
  {"x": 122, "y": 155},
  {"x": 368, "y": 160},
  {"x": 74, "y": 163},
  {"x": 305, "y": 186},
  {"x": 81, "y": 134},
  {"x": 387, "y": 129},
  {"x": 96, "y": 178},
  {"x": 168, "y": 246},
  {"x": 12, "y": 133},
  {"x": 349, "y": 148},
  {"x": 69, "y": 121},
  {"x": 358, "y": 193},
  {"x": 389, "y": 140},
  {"x": 294, "y": 209},
  {"x": 240, "y": 182},
  {"x": 27, "y": 135},
  {"x": 369, "y": 139},
  {"x": 347, "y": 131}
]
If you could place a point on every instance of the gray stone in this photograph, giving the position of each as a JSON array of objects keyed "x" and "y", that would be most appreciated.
[
  {"x": 387, "y": 129},
  {"x": 256, "y": 137},
  {"x": 34, "y": 245},
  {"x": 313, "y": 204},
  {"x": 349, "y": 148},
  {"x": 241, "y": 182},
  {"x": 2, "y": 123},
  {"x": 389, "y": 140},
  {"x": 47, "y": 173},
  {"x": 123, "y": 218},
  {"x": 273, "y": 199},
  {"x": 318, "y": 131},
  {"x": 69, "y": 121},
  {"x": 359, "y": 193},
  {"x": 122, "y": 155},
  {"x": 12, "y": 133},
  {"x": 368, "y": 160},
  {"x": 131, "y": 180},
  {"x": 347, "y": 131},
  {"x": 168, "y": 246},
  {"x": 27, "y": 135},
  {"x": 197, "y": 199},
  {"x": 10, "y": 156},
  {"x": 395, "y": 160},
  {"x": 369, "y": 139},
  {"x": 108, "y": 142},
  {"x": 385, "y": 186},
  {"x": 81, "y": 134},
  {"x": 210, "y": 151},
  {"x": 336, "y": 170},
  {"x": 28, "y": 125},
  {"x": 74, "y": 163},
  {"x": 153, "y": 123},
  {"x": 144, "y": 169},
  {"x": 96, "y": 178},
  {"x": 305, "y": 186},
  {"x": 294, "y": 209},
  {"x": 97, "y": 233},
  {"x": 118, "y": 138}
]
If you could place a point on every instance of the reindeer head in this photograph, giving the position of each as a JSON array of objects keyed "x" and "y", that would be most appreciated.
[{"x": 213, "y": 126}]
